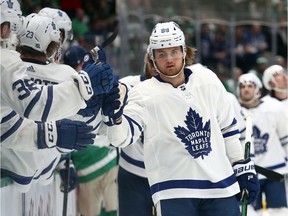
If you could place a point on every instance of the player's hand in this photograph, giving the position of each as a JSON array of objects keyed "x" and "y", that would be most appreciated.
[
  {"x": 247, "y": 179},
  {"x": 114, "y": 103},
  {"x": 101, "y": 76},
  {"x": 93, "y": 106},
  {"x": 71, "y": 179},
  {"x": 65, "y": 134}
]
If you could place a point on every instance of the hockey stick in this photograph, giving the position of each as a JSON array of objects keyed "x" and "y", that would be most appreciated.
[
  {"x": 270, "y": 174},
  {"x": 109, "y": 40},
  {"x": 66, "y": 187},
  {"x": 248, "y": 136}
]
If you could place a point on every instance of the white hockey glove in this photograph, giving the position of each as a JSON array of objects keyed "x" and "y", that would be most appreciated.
[
  {"x": 65, "y": 134},
  {"x": 114, "y": 103}
]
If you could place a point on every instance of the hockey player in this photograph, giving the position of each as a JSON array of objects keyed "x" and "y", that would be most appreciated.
[
  {"x": 133, "y": 186},
  {"x": 269, "y": 129},
  {"x": 191, "y": 140},
  {"x": 96, "y": 167},
  {"x": 42, "y": 103}
]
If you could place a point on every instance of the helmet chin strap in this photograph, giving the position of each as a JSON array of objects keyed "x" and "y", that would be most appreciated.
[
  {"x": 169, "y": 76},
  {"x": 256, "y": 96},
  {"x": 276, "y": 89}
]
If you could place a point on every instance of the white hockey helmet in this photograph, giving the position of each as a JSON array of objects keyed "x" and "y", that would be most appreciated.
[
  {"x": 165, "y": 35},
  {"x": 246, "y": 79},
  {"x": 38, "y": 32},
  {"x": 61, "y": 19},
  {"x": 268, "y": 75},
  {"x": 250, "y": 78},
  {"x": 11, "y": 12}
]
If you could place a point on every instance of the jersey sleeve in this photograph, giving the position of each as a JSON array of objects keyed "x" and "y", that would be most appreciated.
[
  {"x": 129, "y": 131},
  {"x": 228, "y": 125},
  {"x": 41, "y": 103}
]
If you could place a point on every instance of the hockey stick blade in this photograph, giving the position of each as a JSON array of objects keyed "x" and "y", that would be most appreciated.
[
  {"x": 110, "y": 39},
  {"x": 270, "y": 174},
  {"x": 94, "y": 51}
]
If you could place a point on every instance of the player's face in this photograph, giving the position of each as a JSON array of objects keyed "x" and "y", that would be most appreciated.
[
  {"x": 247, "y": 91},
  {"x": 281, "y": 80},
  {"x": 169, "y": 60}
]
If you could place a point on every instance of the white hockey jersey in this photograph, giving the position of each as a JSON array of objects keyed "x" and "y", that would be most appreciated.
[
  {"x": 270, "y": 133},
  {"x": 131, "y": 157},
  {"x": 191, "y": 136},
  {"x": 21, "y": 159},
  {"x": 34, "y": 102}
]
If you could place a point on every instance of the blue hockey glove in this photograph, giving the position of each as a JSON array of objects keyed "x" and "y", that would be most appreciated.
[
  {"x": 67, "y": 176},
  {"x": 65, "y": 134},
  {"x": 93, "y": 106},
  {"x": 247, "y": 179},
  {"x": 114, "y": 103},
  {"x": 101, "y": 77}
]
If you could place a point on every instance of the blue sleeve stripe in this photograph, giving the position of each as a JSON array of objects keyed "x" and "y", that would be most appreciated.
[
  {"x": 230, "y": 133},
  {"x": 193, "y": 184},
  {"x": 48, "y": 103},
  {"x": 134, "y": 122},
  {"x": 130, "y": 160},
  {"x": 131, "y": 123},
  {"x": 131, "y": 128},
  {"x": 8, "y": 117},
  {"x": 234, "y": 122},
  {"x": 277, "y": 166},
  {"x": 11, "y": 130},
  {"x": 91, "y": 119},
  {"x": 283, "y": 138},
  {"x": 47, "y": 169},
  {"x": 32, "y": 103},
  {"x": 94, "y": 128},
  {"x": 23, "y": 180}
]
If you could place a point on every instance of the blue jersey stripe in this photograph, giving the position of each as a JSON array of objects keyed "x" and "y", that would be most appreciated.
[
  {"x": 193, "y": 184},
  {"x": 132, "y": 161},
  {"x": 231, "y": 125},
  {"x": 8, "y": 117},
  {"x": 23, "y": 180},
  {"x": 47, "y": 169},
  {"x": 11, "y": 130},
  {"x": 32, "y": 103},
  {"x": 277, "y": 166},
  {"x": 48, "y": 103},
  {"x": 231, "y": 133}
]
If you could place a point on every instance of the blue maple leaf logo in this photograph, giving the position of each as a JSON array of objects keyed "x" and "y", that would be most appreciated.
[
  {"x": 196, "y": 137},
  {"x": 260, "y": 141}
]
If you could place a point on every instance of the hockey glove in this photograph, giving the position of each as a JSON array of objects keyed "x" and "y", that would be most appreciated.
[
  {"x": 101, "y": 77},
  {"x": 65, "y": 134},
  {"x": 84, "y": 84},
  {"x": 93, "y": 106},
  {"x": 67, "y": 176},
  {"x": 114, "y": 103},
  {"x": 247, "y": 179}
]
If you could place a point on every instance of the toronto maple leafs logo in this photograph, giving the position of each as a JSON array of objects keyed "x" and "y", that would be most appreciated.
[
  {"x": 196, "y": 137},
  {"x": 260, "y": 141}
]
